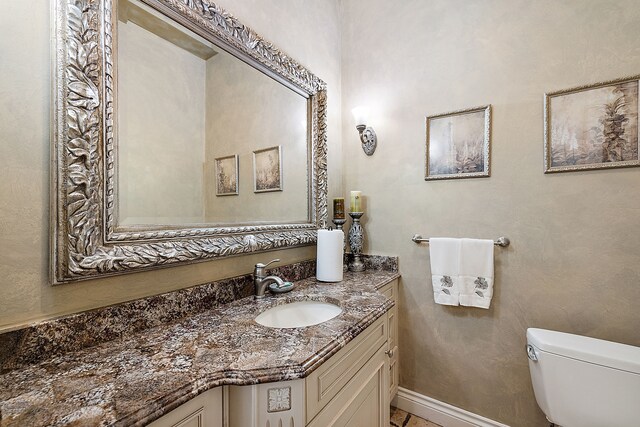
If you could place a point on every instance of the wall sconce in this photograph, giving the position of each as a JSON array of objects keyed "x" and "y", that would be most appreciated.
[{"x": 367, "y": 135}]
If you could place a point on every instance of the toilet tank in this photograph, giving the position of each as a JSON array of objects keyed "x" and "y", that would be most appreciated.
[{"x": 584, "y": 382}]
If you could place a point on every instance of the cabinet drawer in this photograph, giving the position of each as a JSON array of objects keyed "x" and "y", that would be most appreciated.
[
  {"x": 326, "y": 381},
  {"x": 392, "y": 315},
  {"x": 204, "y": 410},
  {"x": 390, "y": 290}
]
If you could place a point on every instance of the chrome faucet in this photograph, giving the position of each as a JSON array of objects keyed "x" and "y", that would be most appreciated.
[{"x": 261, "y": 281}]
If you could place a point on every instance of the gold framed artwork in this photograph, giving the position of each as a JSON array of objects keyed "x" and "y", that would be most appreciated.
[
  {"x": 592, "y": 127},
  {"x": 458, "y": 144},
  {"x": 267, "y": 169},
  {"x": 227, "y": 175}
]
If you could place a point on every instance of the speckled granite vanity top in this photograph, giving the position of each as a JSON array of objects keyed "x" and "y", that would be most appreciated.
[{"x": 139, "y": 377}]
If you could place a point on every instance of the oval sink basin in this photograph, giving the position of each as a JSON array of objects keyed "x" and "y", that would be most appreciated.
[{"x": 298, "y": 314}]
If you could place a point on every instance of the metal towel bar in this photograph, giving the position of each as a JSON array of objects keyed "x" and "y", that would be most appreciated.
[{"x": 500, "y": 241}]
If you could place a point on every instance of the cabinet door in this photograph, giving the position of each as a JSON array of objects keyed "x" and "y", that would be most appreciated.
[
  {"x": 364, "y": 401},
  {"x": 204, "y": 410},
  {"x": 393, "y": 373},
  {"x": 390, "y": 290},
  {"x": 323, "y": 384}
]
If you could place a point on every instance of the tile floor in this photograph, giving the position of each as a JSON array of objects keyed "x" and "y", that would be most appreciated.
[{"x": 400, "y": 418}]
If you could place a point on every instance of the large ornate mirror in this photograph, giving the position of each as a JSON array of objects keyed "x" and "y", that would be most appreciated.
[{"x": 179, "y": 136}]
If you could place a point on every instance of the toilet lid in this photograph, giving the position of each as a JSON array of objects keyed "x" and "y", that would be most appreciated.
[{"x": 592, "y": 350}]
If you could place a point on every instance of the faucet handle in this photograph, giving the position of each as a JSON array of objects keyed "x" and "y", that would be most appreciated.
[{"x": 261, "y": 265}]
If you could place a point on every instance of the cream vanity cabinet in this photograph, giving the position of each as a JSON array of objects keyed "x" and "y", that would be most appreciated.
[
  {"x": 349, "y": 389},
  {"x": 353, "y": 388}
]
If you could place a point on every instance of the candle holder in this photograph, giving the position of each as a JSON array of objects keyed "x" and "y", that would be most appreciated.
[
  {"x": 339, "y": 222},
  {"x": 356, "y": 241}
]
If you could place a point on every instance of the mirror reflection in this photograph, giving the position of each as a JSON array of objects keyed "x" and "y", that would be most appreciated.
[{"x": 203, "y": 137}]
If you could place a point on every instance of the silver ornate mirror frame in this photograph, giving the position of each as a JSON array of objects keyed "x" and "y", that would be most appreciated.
[{"x": 85, "y": 242}]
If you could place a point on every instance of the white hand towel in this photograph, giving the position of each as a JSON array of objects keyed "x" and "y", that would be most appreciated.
[
  {"x": 476, "y": 272},
  {"x": 445, "y": 262}
]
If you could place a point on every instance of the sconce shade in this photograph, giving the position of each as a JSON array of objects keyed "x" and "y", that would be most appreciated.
[{"x": 360, "y": 115}]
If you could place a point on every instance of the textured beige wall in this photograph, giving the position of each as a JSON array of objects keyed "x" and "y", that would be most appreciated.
[
  {"x": 161, "y": 130},
  {"x": 307, "y": 32},
  {"x": 574, "y": 260},
  {"x": 245, "y": 111}
]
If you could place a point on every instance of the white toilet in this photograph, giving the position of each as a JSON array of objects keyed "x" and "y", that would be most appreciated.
[{"x": 584, "y": 382}]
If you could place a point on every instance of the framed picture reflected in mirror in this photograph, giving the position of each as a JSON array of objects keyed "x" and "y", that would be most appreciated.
[
  {"x": 267, "y": 169},
  {"x": 227, "y": 175}
]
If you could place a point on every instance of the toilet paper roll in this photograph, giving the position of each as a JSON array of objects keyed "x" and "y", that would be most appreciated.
[{"x": 329, "y": 255}]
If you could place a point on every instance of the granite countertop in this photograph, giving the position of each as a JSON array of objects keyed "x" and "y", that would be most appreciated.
[{"x": 138, "y": 378}]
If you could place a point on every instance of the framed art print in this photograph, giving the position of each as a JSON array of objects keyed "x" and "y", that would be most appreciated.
[
  {"x": 592, "y": 127},
  {"x": 458, "y": 144}
]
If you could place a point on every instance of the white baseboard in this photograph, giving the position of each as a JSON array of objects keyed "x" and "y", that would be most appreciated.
[{"x": 439, "y": 412}]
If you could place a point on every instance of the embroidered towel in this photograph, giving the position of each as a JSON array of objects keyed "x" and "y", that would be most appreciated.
[
  {"x": 445, "y": 260},
  {"x": 476, "y": 272}
]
